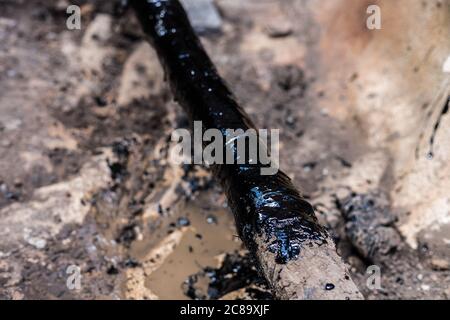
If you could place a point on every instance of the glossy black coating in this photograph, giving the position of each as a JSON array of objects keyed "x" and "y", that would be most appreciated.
[{"x": 268, "y": 206}]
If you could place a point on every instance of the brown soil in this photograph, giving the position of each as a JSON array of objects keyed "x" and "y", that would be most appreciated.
[{"x": 85, "y": 124}]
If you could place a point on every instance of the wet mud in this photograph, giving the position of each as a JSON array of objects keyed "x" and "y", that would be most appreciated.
[{"x": 85, "y": 178}]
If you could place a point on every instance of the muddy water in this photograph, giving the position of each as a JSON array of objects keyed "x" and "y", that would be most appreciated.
[{"x": 208, "y": 233}]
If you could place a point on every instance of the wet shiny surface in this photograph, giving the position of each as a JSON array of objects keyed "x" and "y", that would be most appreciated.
[{"x": 268, "y": 206}]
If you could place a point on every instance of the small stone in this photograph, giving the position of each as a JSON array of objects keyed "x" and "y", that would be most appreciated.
[
  {"x": 183, "y": 222},
  {"x": 131, "y": 263},
  {"x": 440, "y": 264},
  {"x": 37, "y": 242},
  {"x": 329, "y": 286},
  {"x": 211, "y": 219},
  {"x": 203, "y": 15},
  {"x": 425, "y": 287},
  {"x": 309, "y": 166},
  {"x": 290, "y": 120}
]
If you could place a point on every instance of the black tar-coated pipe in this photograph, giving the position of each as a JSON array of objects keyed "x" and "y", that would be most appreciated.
[{"x": 267, "y": 206}]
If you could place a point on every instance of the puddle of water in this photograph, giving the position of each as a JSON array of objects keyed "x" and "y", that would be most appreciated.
[{"x": 211, "y": 233}]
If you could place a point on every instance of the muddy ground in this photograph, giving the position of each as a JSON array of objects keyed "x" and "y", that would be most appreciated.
[{"x": 85, "y": 124}]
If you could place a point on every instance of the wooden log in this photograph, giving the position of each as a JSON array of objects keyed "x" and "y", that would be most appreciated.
[{"x": 296, "y": 255}]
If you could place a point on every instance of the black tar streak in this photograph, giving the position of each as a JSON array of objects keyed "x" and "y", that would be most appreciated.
[{"x": 268, "y": 206}]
